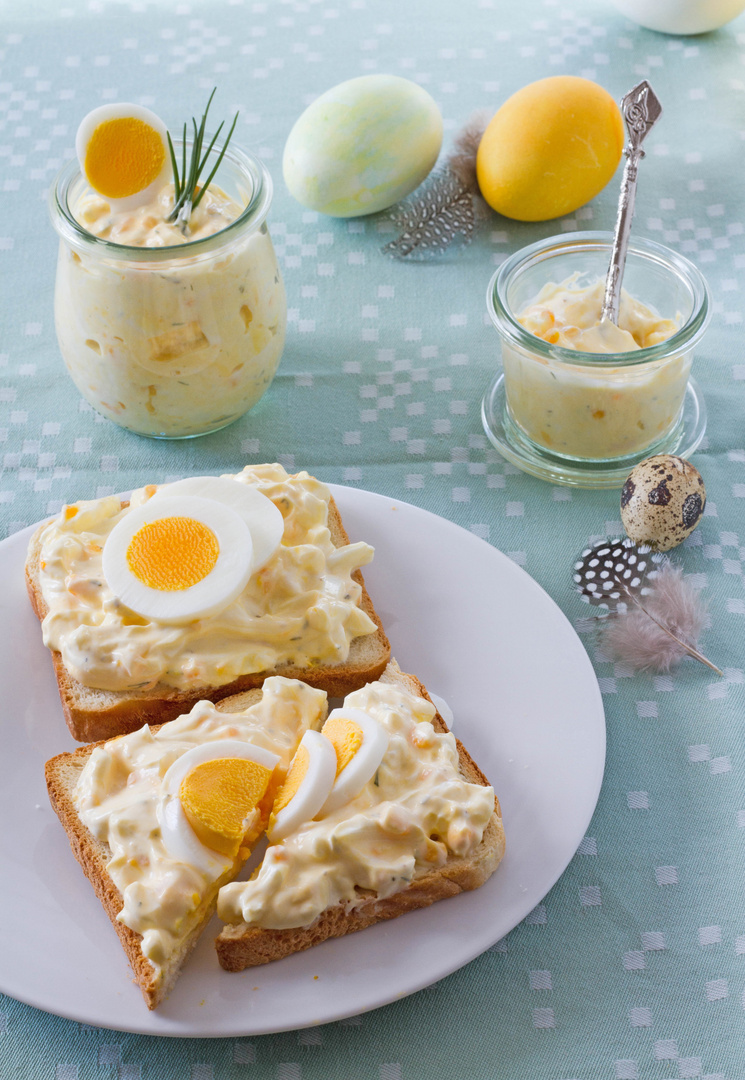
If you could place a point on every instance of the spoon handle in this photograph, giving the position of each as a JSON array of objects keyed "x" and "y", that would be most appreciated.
[{"x": 641, "y": 109}]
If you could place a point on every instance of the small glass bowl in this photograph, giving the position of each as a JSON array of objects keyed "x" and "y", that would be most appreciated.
[
  {"x": 177, "y": 341},
  {"x": 586, "y": 419}
]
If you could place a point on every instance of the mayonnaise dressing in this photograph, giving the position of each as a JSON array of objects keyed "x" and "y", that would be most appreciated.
[
  {"x": 120, "y": 787},
  {"x": 301, "y": 608},
  {"x": 415, "y": 813}
]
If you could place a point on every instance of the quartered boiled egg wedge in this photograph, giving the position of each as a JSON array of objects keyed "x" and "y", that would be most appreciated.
[
  {"x": 179, "y": 559},
  {"x": 123, "y": 153},
  {"x": 360, "y": 743},
  {"x": 306, "y": 788},
  {"x": 263, "y": 518},
  {"x": 211, "y": 801}
]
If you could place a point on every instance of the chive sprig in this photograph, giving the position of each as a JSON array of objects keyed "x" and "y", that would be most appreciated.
[{"x": 186, "y": 181}]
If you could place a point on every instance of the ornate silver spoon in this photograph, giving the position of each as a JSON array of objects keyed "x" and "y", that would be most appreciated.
[{"x": 641, "y": 109}]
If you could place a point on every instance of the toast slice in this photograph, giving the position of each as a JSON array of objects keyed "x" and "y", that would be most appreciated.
[
  {"x": 62, "y": 775},
  {"x": 244, "y": 945},
  {"x": 94, "y": 715}
]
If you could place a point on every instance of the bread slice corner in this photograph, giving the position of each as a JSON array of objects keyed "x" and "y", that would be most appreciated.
[{"x": 242, "y": 945}]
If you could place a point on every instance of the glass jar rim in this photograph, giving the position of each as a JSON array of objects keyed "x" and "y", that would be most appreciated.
[
  {"x": 507, "y": 324},
  {"x": 251, "y": 217}
]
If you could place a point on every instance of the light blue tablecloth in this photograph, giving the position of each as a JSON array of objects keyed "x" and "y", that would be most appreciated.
[{"x": 634, "y": 965}]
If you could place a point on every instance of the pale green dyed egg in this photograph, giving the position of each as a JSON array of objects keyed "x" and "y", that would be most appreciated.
[{"x": 362, "y": 146}]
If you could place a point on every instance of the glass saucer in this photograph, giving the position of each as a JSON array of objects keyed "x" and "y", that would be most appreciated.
[{"x": 513, "y": 445}]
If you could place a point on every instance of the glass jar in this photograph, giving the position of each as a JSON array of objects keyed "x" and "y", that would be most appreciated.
[
  {"x": 176, "y": 341},
  {"x": 586, "y": 418}
]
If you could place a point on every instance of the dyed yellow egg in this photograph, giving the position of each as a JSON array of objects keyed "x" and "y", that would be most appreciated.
[
  {"x": 362, "y": 146},
  {"x": 550, "y": 148}
]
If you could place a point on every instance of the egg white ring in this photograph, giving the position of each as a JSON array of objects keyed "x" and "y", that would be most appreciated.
[
  {"x": 226, "y": 581},
  {"x": 211, "y": 751},
  {"x": 365, "y": 763},
  {"x": 264, "y": 519},
  {"x": 443, "y": 709},
  {"x": 313, "y": 789},
  {"x": 183, "y": 844}
]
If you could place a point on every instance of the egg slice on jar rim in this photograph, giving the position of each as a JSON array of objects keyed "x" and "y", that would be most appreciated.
[
  {"x": 360, "y": 743},
  {"x": 264, "y": 519},
  {"x": 178, "y": 559},
  {"x": 211, "y": 799},
  {"x": 306, "y": 788},
  {"x": 123, "y": 153}
]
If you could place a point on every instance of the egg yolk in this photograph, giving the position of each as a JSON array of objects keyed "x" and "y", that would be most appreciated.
[
  {"x": 346, "y": 737},
  {"x": 123, "y": 156},
  {"x": 295, "y": 777},
  {"x": 172, "y": 553},
  {"x": 218, "y": 796}
]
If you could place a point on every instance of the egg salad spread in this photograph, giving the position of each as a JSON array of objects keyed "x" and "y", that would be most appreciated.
[
  {"x": 593, "y": 411},
  {"x": 120, "y": 799},
  {"x": 301, "y": 607},
  {"x": 569, "y": 315},
  {"x": 176, "y": 346},
  {"x": 148, "y": 225},
  {"x": 414, "y": 813}
]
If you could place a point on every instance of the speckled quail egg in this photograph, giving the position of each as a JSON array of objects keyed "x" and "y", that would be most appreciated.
[{"x": 662, "y": 501}]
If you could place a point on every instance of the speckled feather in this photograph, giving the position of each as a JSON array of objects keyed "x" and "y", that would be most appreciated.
[
  {"x": 655, "y": 616},
  {"x": 610, "y": 572},
  {"x": 445, "y": 209}
]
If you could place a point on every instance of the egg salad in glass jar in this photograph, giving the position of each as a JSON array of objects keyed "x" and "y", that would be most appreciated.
[{"x": 171, "y": 329}]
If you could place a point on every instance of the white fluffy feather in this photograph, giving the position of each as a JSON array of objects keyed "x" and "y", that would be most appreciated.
[{"x": 657, "y": 632}]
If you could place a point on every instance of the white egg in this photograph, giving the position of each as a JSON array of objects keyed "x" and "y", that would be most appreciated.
[
  {"x": 123, "y": 153},
  {"x": 179, "y": 838},
  {"x": 177, "y": 559},
  {"x": 347, "y": 724},
  {"x": 212, "y": 751},
  {"x": 681, "y": 16},
  {"x": 309, "y": 781},
  {"x": 263, "y": 518}
]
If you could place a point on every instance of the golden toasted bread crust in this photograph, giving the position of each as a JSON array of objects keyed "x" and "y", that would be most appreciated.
[
  {"x": 94, "y": 715},
  {"x": 62, "y": 773},
  {"x": 242, "y": 945}
]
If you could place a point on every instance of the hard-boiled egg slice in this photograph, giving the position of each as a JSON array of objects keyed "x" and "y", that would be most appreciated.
[
  {"x": 263, "y": 518},
  {"x": 306, "y": 788},
  {"x": 123, "y": 153},
  {"x": 211, "y": 751},
  {"x": 360, "y": 743},
  {"x": 180, "y": 559},
  {"x": 212, "y": 800}
]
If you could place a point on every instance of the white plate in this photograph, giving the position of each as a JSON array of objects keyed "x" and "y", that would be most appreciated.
[{"x": 479, "y": 632}]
